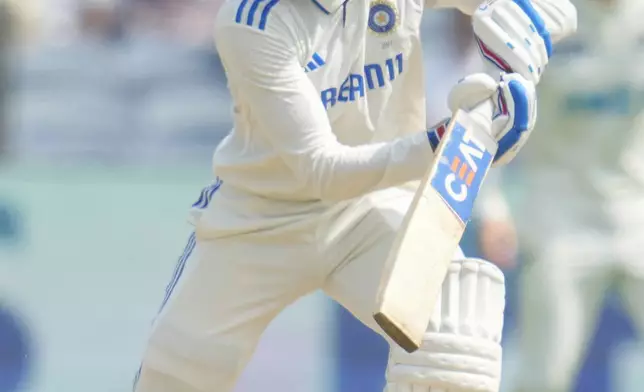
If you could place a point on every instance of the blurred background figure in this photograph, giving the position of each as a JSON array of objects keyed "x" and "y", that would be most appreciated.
[
  {"x": 581, "y": 209},
  {"x": 116, "y": 80},
  {"x": 6, "y": 34},
  {"x": 189, "y": 21}
]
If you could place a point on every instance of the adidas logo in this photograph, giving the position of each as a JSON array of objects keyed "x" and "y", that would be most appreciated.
[{"x": 315, "y": 63}]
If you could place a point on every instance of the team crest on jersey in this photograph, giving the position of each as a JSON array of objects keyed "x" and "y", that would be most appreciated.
[{"x": 383, "y": 17}]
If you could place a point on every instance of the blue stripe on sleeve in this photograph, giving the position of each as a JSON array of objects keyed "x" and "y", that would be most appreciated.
[
  {"x": 240, "y": 11},
  {"x": 318, "y": 59},
  {"x": 317, "y": 3},
  {"x": 265, "y": 12},
  {"x": 251, "y": 13}
]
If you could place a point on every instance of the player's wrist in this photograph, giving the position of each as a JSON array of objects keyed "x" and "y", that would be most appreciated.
[{"x": 436, "y": 132}]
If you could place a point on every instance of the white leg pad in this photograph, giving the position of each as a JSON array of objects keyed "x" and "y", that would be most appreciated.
[{"x": 461, "y": 350}]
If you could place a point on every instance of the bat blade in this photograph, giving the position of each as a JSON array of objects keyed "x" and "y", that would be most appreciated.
[{"x": 432, "y": 229}]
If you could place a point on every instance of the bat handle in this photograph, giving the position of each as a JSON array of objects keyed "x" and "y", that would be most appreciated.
[{"x": 482, "y": 114}]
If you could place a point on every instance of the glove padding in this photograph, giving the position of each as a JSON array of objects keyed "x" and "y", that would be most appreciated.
[
  {"x": 515, "y": 101},
  {"x": 516, "y": 117},
  {"x": 512, "y": 36}
]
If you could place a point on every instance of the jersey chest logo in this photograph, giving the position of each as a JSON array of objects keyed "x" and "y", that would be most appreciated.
[
  {"x": 371, "y": 77},
  {"x": 383, "y": 17}
]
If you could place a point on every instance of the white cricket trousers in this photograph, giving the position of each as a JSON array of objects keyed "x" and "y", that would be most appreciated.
[{"x": 229, "y": 289}]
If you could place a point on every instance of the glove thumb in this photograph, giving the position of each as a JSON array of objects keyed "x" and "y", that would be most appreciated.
[{"x": 470, "y": 91}]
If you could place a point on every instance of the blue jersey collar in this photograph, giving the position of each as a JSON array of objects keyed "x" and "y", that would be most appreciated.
[{"x": 329, "y": 6}]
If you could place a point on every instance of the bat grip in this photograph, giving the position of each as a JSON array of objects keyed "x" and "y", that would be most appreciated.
[{"x": 482, "y": 114}]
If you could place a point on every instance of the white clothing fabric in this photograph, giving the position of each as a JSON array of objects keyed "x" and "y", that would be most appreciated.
[{"x": 229, "y": 288}]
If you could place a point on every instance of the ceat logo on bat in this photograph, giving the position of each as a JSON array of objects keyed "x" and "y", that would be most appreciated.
[{"x": 463, "y": 164}]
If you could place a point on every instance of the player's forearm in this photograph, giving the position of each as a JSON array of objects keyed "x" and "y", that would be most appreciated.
[
  {"x": 329, "y": 170},
  {"x": 342, "y": 172}
]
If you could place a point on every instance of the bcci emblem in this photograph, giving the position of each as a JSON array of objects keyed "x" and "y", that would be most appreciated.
[{"x": 383, "y": 17}]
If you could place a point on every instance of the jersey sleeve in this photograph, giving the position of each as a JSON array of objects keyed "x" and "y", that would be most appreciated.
[{"x": 266, "y": 78}]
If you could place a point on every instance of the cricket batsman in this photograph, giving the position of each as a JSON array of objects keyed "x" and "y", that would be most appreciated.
[
  {"x": 310, "y": 187},
  {"x": 584, "y": 173}
]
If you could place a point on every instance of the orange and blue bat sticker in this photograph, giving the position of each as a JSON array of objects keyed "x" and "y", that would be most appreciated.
[{"x": 463, "y": 163}]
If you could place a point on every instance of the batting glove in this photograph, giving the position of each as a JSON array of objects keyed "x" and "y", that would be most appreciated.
[
  {"x": 515, "y": 101},
  {"x": 515, "y": 35}
]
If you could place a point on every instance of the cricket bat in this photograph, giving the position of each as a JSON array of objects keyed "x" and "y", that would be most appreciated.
[{"x": 433, "y": 226}]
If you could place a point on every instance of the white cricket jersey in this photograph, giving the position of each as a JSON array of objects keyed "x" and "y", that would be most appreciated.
[
  {"x": 590, "y": 133},
  {"x": 329, "y": 97}
]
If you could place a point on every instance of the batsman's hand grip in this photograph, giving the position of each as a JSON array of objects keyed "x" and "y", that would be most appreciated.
[{"x": 482, "y": 114}]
